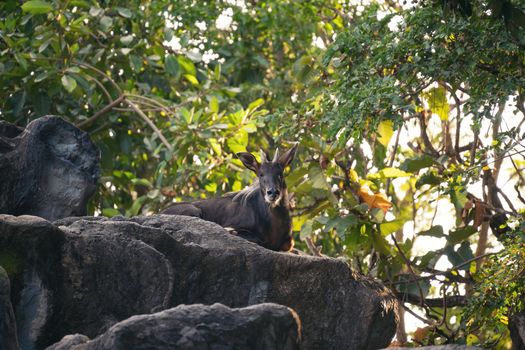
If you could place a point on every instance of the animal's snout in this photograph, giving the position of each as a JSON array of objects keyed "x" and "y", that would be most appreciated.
[{"x": 272, "y": 193}]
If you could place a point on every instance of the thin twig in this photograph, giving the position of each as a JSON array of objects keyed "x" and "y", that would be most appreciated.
[
  {"x": 447, "y": 271},
  {"x": 409, "y": 266},
  {"x": 311, "y": 246},
  {"x": 424, "y": 320}
]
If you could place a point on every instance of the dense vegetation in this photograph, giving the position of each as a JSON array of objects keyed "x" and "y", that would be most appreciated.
[{"x": 409, "y": 120}]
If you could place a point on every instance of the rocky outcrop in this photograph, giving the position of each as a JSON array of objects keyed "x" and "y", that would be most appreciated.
[
  {"x": 86, "y": 274},
  {"x": 8, "y": 339},
  {"x": 189, "y": 327},
  {"x": 50, "y": 169}
]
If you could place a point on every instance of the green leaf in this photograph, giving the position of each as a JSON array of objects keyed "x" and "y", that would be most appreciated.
[
  {"x": 342, "y": 224},
  {"x": 126, "y": 40},
  {"x": 187, "y": 65},
  {"x": 214, "y": 104},
  {"x": 106, "y": 23},
  {"x": 136, "y": 63},
  {"x": 318, "y": 178},
  {"x": 171, "y": 65},
  {"x": 110, "y": 212},
  {"x": 42, "y": 104},
  {"x": 238, "y": 142},
  {"x": 434, "y": 231},
  {"x": 217, "y": 71},
  {"x": 191, "y": 79},
  {"x": 388, "y": 173},
  {"x": 428, "y": 179},
  {"x": 215, "y": 146},
  {"x": 456, "y": 258},
  {"x": 135, "y": 207},
  {"x": 460, "y": 234},
  {"x": 415, "y": 164},
  {"x": 18, "y": 101},
  {"x": 255, "y": 104},
  {"x": 459, "y": 198},
  {"x": 124, "y": 12},
  {"x": 36, "y": 7},
  {"x": 389, "y": 227},
  {"x": 306, "y": 230},
  {"x": 41, "y": 76},
  {"x": 69, "y": 83},
  {"x": 141, "y": 182}
]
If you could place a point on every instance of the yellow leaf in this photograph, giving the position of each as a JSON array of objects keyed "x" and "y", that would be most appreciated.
[
  {"x": 385, "y": 131},
  {"x": 352, "y": 175},
  {"x": 374, "y": 200},
  {"x": 191, "y": 79},
  {"x": 437, "y": 101},
  {"x": 504, "y": 319},
  {"x": 472, "y": 339}
]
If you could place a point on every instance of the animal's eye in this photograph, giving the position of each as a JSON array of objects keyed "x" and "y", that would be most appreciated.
[{"x": 261, "y": 175}]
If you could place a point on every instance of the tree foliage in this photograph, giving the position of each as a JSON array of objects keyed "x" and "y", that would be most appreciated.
[{"x": 401, "y": 112}]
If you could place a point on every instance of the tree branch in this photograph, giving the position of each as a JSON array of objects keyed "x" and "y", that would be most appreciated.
[
  {"x": 94, "y": 117},
  {"x": 150, "y": 123},
  {"x": 451, "y": 301}
]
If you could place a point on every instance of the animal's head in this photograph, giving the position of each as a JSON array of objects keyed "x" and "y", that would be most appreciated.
[{"x": 270, "y": 173}]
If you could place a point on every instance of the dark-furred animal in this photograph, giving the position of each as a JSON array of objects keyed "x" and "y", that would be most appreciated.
[{"x": 260, "y": 213}]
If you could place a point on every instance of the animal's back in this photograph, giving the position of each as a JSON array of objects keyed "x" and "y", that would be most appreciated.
[{"x": 224, "y": 211}]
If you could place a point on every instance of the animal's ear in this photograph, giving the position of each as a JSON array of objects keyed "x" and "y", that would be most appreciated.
[
  {"x": 249, "y": 161},
  {"x": 287, "y": 157}
]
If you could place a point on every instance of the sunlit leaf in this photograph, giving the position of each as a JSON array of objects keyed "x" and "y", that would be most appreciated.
[
  {"x": 36, "y": 7},
  {"x": 387, "y": 173},
  {"x": 414, "y": 164},
  {"x": 385, "y": 131},
  {"x": 434, "y": 231},
  {"x": 437, "y": 101},
  {"x": 374, "y": 200},
  {"x": 460, "y": 234},
  {"x": 69, "y": 83}
]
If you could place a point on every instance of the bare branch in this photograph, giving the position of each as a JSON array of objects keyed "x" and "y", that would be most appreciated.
[
  {"x": 451, "y": 301},
  {"x": 107, "y": 108},
  {"x": 454, "y": 268},
  {"x": 150, "y": 123},
  {"x": 312, "y": 247},
  {"x": 409, "y": 266}
]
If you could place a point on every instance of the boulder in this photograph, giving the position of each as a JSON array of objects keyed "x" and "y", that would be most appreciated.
[
  {"x": 8, "y": 338},
  {"x": 100, "y": 271},
  {"x": 196, "y": 327},
  {"x": 49, "y": 169}
]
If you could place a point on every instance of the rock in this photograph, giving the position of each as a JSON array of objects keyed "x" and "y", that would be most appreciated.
[
  {"x": 69, "y": 342},
  {"x": 111, "y": 269},
  {"x": 50, "y": 169},
  {"x": 195, "y": 327},
  {"x": 517, "y": 331},
  {"x": 32, "y": 246},
  {"x": 8, "y": 339}
]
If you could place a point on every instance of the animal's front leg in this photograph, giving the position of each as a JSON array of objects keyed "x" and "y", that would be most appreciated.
[
  {"x": 246, "y": 234},
  {"x": 287, "y": 245}
]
